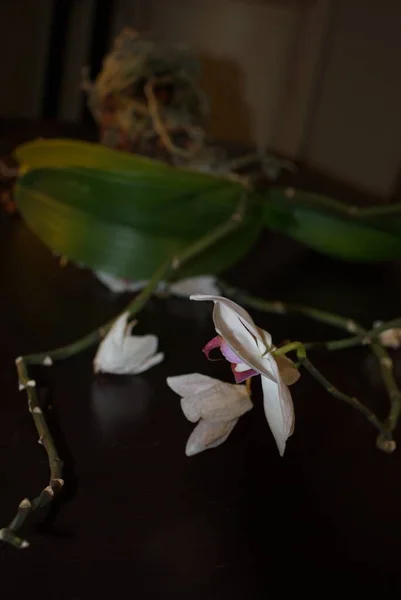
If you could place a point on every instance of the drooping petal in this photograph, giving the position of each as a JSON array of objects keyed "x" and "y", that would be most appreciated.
[
  {"x": 130, "y": 355},
  {"x": 186, "y": 385},
  {"x": 279, "y": 409},
  {"x": 207, "y": 435},
  {"x": 110, "y": 347},
  {"x": 205, "y": 284},
  {"x": 149, "y": 362},
  {"x": 221, "y": 402},
  {"x": 213, "y": 400},
  {"x": 288, "y": 371}
]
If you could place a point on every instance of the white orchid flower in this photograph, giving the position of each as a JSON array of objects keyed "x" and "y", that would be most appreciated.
[
  {"x": 249, "y": 350},
  {"x": 204, "y": 284},
  {"x": 215, "y": 405},
  {"x": 123, "y": 353}
]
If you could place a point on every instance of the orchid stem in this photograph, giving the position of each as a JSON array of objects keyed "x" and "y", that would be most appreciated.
[
  {"x": 365, "y": 336},
  {"x": 288, "y": 348},
  {"x": 384, "y": 441},
  {"x": 9, "y": 534},
  {"x": 362, "y": 336}
]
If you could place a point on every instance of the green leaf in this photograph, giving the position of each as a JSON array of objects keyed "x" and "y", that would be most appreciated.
[
  {"x": 324, "y": 224},
  {"x": 66, "y": 153},
  {"x": 128, "y": 226}
]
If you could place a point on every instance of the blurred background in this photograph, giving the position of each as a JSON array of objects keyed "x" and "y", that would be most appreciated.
[{"x": 314, "y": 80}]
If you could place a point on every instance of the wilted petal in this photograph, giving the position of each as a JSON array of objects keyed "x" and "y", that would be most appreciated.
[
  {"x": 122, "y": 353},
  {"x": 205, "y": 284},
  {"x": 288, "y": 371},
  {"x": 279, "y": 409},
  {"x": 213, "y": 399},
  {"x": 148, "y": 363},
  {"x": 208, "y": 435},
  {"x": 186, "y": 385},
  {"x": 221, "y": 402}
]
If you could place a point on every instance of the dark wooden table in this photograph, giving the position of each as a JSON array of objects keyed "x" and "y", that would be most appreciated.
[{"x": 137, "y": 518}]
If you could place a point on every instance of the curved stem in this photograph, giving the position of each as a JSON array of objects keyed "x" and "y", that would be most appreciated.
[
  {"x": 9, "y": 534},
  {"x": 366, "y": 336},
  {"x": 386, "y": 442}
]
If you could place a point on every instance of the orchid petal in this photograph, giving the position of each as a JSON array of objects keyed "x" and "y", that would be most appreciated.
[
  {"x": 221, "y": 402},
  {"x": 208, "y": 435},
  {"x": 213, "y": 400},
  {"x": 205, "y": 284},
  {"x": 241, "y": 376},
  {"x": 122, "y": 353},
  {"x": 186, "y": 385},
  {"x": 279, "y": 408},
  {"x": 241, "y": 341},
  {"x": 243, "y": 316},
  {"x": 288, "y": 371},
  {"x": 212, "y": 344},
  {"x": 118, "y": 285},
  {"x": 246, "y": 340},
  {"x": 150, "y": 362},
  {"x": 241, "y": 367},
  {"x": 228, "y": 353}
]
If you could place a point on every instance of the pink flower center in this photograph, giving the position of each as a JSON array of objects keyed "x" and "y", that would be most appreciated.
[{"x": 240, "y": 370}]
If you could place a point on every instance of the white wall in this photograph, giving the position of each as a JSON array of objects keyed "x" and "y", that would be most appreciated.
[
  {"x": 355, "y": 129},
  {"x": 244, "y": 47}
]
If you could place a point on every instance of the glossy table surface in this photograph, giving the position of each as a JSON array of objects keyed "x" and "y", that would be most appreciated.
[{"x": 136, "y": 515}]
